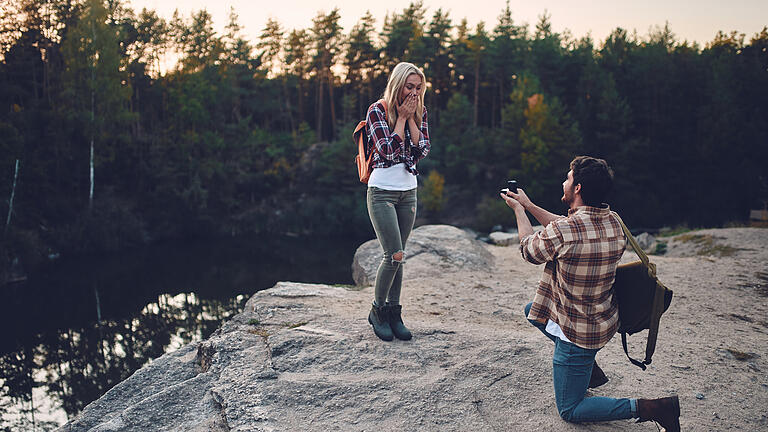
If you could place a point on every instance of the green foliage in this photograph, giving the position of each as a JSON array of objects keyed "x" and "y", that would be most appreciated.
[
  {"x": 402, "y": 34},
  {"x": 95, "y": 96},
  {"x": 362, "y": 58},
  {"x": 492, "y": 211},
  {"x": 680, "y": 229},
  {"x": 547, "y": 139},
  {"x": 248, "y": 136},
  {"x": 431, "y": 194},
  {"x": 457, "y": 148},
  {"x": 111, "y": 226},
  {"x": 707, "y": 244}
]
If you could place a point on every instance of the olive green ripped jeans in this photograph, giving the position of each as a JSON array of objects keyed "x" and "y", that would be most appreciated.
[{"x": 392, "y": 214}]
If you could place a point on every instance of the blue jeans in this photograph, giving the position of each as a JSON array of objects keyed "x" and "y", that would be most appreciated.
[{"x": 571, "y": 371}]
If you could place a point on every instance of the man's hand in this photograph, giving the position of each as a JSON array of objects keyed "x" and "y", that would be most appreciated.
[
  {"x": 512, "y": 202},
  {"x": 544, "y": 217},
  {"x": 522, "y": 198},
  {"x": 524, "y": 228}
]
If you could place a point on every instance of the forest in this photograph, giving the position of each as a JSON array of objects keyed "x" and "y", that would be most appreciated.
[{"x": 103, "y": 149}]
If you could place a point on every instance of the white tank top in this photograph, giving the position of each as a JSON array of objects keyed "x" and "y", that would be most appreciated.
[
  {"x": 556, "y": 331},
  {"x": 394, "y": 178}
]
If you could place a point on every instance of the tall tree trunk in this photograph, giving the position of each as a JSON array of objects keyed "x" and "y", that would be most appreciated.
[
  {"x": 288, "y": 109},
  {"x": 301, "y": 99},
  {"x": 47, "y": 74},
  {"x": 93, "y": 117},
  {"x": 501, "y": 97},
  {"x": 361, "y": 101},
  {"x": 140, "y": 150},
  {"x": 91, "y": 164},
  {"x": 13, "y": 193},
  {"x": 333, "y": 105},
  {"x": 35, "y": 89},
  {"x": 90, "y": 192},
  {"x": 319, "y": 113},
  {"x": 477, "y": 90},
  {"x": 493, "y": 111},
  {"x": 370, "y": 90}
]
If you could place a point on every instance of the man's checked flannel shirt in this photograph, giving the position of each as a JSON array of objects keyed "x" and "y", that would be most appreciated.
[
  {"x": 391, "y": 148},
  {"x": 581, "y": 253}
]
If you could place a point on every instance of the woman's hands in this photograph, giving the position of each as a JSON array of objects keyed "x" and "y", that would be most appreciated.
[
  {"x": 406, "y": 117},
  {"x": 407, "y": 109}
]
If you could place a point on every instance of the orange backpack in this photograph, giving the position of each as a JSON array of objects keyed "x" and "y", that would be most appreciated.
[{"x": 365, "y": 150}]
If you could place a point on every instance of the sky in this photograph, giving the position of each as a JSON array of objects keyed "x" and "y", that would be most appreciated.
[{"x": 689, "y": 20}]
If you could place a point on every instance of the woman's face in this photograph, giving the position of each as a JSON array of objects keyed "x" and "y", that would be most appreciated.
[{"x": 412, "y": 86}]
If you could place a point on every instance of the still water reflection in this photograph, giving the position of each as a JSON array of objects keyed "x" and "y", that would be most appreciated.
[{"x": 78, "y": 327}]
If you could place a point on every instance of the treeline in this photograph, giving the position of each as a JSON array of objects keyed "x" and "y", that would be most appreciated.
[{"x": 247, "y": 136}]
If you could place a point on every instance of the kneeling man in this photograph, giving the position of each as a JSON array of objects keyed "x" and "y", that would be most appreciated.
[{"x": 574, "y": 304}]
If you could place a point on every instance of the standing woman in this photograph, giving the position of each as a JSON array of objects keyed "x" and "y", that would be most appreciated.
[{"x": 397, "y": 126}]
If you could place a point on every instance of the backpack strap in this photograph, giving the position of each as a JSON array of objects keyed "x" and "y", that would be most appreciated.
[
  {"x": 362, "y": 128},
  {"x": 657, "y": 307},
  {"x": 638, "y": 250},
  {"x": 656, "y": 311},
  {"x": 383, "y": 102},
  {"x": 637, "y": 363}
]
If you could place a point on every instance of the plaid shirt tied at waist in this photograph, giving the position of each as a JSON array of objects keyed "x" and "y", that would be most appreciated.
[
  {"x": 581, "y": 253},
  {"x": 391, "y": 148}
]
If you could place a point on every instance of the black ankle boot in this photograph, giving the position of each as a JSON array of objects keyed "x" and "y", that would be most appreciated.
[
  {"x": 378, "y": 317},
  {"x": 664, "y": 411},
  {"x": 598, "y": 377},
  {"x": 396, "y": 322}
]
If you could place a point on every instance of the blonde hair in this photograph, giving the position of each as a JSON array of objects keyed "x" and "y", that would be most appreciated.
[{"x": 395, "y": 85}]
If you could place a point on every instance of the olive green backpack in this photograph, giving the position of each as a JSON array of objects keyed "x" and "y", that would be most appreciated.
[{"x": 642, "y": 299}]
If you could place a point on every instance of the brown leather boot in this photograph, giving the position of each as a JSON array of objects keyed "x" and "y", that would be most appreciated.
[
  {"x": 664, "y": 411},
  {"x": 598, "y": 377}
]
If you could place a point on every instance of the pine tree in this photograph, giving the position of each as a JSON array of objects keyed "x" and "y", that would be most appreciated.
[
  {"x": 361, "y": 59},
  {"x": 298, "y": 63},
  {"x": 97, "y": 95},
  {"x": 327, "y": 39}
]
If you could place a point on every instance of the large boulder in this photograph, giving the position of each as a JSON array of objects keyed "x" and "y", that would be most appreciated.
[
  {"x": 647, "y": 242},
  {"x": 431, "y": 250},
  {"x": 229, "y": 382},
  {"x": 500, "y": 238}
]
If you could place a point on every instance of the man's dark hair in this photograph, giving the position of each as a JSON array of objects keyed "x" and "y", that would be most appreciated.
[{"x": 595, "y": 177}]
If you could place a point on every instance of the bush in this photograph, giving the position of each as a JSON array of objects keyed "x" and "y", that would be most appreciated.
[
  {"x": 110, "y": 226},
  {"x": 431, "y": 194},
  {"x": 492, "y": 211}
]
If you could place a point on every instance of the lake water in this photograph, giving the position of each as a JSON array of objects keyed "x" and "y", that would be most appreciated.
[{"x": 77, "y": 327}]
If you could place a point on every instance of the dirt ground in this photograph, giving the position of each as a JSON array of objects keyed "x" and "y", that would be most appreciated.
[{"x": 711, "y": 350}]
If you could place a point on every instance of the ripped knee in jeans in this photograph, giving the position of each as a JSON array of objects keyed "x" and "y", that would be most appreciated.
[{"x": 398, "y": 257}]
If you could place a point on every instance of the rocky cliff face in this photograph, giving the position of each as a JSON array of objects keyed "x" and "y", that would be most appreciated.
[{"x": 303, "y": 357}]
